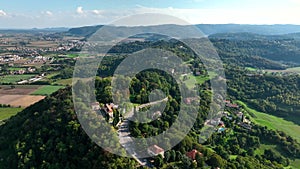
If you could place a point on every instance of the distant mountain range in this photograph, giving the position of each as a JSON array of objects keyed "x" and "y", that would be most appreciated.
[
  {"x": 207, "y": 29},
  {"x": 210, "y": 29},
  {"x": 34, "y": 30}
]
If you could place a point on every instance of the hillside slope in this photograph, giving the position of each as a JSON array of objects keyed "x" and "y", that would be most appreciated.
[{"x": 48, "y": 135}]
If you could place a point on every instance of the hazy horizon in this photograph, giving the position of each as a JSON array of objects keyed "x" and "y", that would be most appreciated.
[
  {"x": 66, "y": 27},
  {"x": 36, "y": 14}
]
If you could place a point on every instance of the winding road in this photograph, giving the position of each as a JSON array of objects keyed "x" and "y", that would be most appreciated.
[{"x": 124, "y": 134}]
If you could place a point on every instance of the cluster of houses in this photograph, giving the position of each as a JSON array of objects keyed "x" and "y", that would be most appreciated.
[
  {"x": 65, "y": 45},
  {"x": 10, "y": 58},
  {"x": 155, "y": 150},
  {"x": 107, "y": 109},
  {"x": 236, "y": 111},
  {"x": 231, "y": 105},
  {"x": 22, "y": 71},
  {"x": 31, "y": 58},
  {"x": 243, "y": 121}
]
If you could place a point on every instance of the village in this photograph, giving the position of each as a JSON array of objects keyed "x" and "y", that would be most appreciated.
[
  {"x": 34, "y": 65},
  {"x": 232, "y": 112}
]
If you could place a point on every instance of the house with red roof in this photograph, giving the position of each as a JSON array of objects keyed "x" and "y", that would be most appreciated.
[
  {"x": 155, "y": 150},
  {"x": 192, "y": 154}
]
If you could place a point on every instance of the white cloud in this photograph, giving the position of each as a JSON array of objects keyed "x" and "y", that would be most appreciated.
[
  {"x": 295, "y": 1},
  {"x": 49, "y": 13},
  {"x": 79, "y": 10},
  {"x": 2, "y": 13},
  {"x": 97, "y": 12}
]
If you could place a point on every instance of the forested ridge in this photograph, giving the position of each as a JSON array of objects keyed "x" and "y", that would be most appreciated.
[
  {"x": 48, "y": 135},
  {"x": 259, "y": 51}
]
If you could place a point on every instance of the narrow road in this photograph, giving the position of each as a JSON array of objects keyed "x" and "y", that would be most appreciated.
[{"x": 124, "y": 134}]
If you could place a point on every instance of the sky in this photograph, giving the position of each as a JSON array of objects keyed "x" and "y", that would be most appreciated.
[{"x": 73, "y": 13}]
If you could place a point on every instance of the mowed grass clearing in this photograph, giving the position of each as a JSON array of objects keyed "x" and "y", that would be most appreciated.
[
  {"x": 288, "y": 70},
  {"x": 64, "y": 82},
  {"x": 263, "y": 147},
  {"x": 46, "y": 90},
  {"x": 295, "y": 163},
  {"x": 273, "y": 122},
  {"x": 251, "y": 68},
  {"x": 192, "y": 80},
  {"x": 7, "y": 112}
]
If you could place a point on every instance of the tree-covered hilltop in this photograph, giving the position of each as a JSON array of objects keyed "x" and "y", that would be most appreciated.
[
  {"x": 48, "y": 135},
  {"x": 242, "y": 49},
  {"x": 269, "y": 93},
  {"x": 260, "y": 51}
]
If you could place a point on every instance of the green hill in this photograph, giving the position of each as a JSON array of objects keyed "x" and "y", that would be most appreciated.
[{"x": 48, "y": 135}]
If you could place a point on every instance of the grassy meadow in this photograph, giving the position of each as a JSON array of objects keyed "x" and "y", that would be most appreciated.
[
  {"x": 46, "y": 90},
  {"x": 7, "y": 112},
  {"x": 273, "y": 122}
]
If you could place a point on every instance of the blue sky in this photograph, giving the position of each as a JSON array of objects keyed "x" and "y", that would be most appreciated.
[{"x": 70, "y": 13}]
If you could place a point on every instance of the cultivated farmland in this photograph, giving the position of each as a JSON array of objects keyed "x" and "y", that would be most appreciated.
[{"x": 20, "y": 100}]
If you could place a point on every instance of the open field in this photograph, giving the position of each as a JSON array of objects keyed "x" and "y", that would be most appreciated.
[
  {"x": 251, "y": 68},
  {"x": 14, "y": 78},
  {"x": 46, "y": 90},
  {"x": 73, "y": 55},
  {"x": 64, "y": 82},
  {"x": 42, "y": 44},
  {"x": 28, "y": 89},
  {"x": 289, "y": 70},
  {"x": 20, "y": 100},
  {"x": 25, "y": 95},
  {"x": 273, "y": 122},
  {"x": 263, "y": 147},
  {"x": 49, "y": 76},
  {"x": 6, "y": 113},
  {"x": 192, "y": 80},
  {"x": 18, "y": 89},
  {"x": 294, "y": 69},
  {"x": 295, "y": 163},
  {"x": 15, "y": 68}
]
